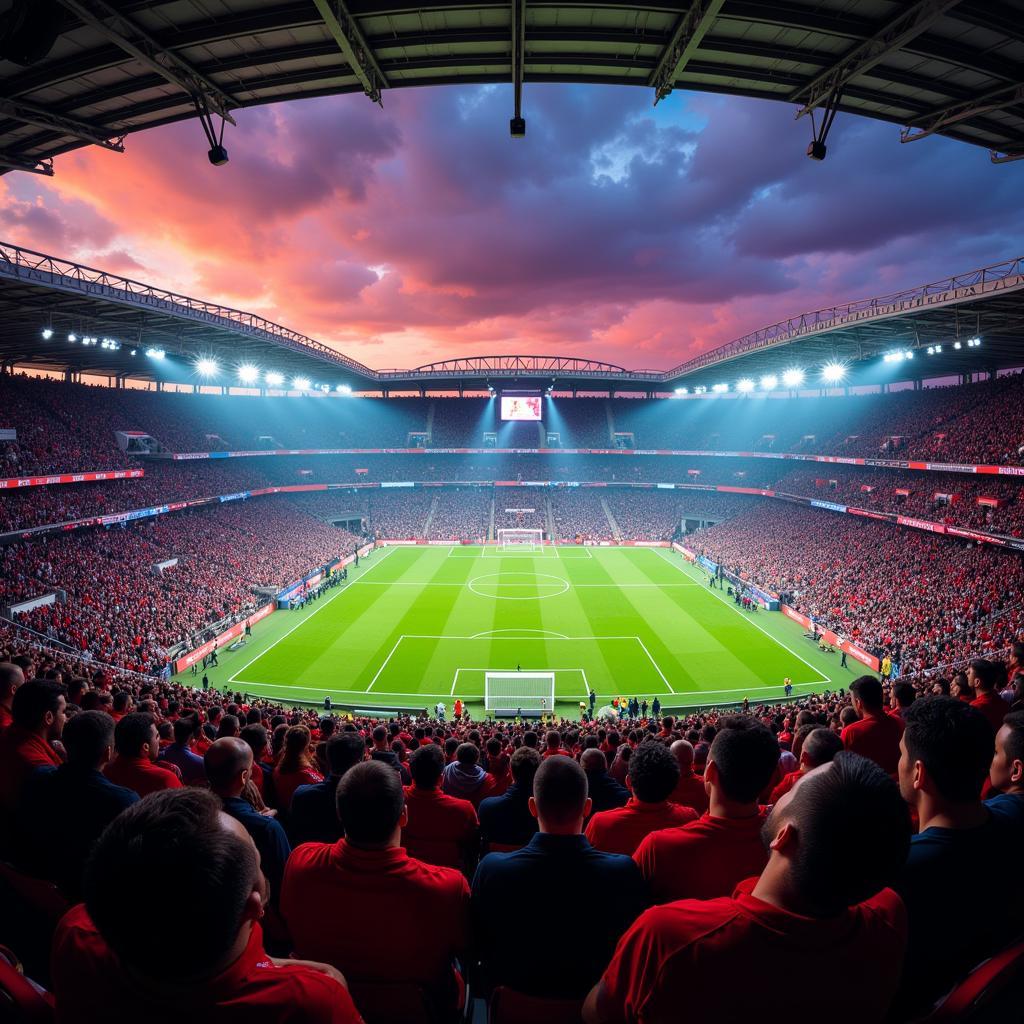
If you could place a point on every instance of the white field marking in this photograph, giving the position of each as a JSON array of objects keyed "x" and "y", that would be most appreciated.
[
  {"x": 512, "y": 671},
  {"x": 384, "y": 663},
  {"x": 575, "y": 586},
  {"x": 306, "y": 618},
  {"x": 537, "y": 581},
  {"x": 655, "y": 664},
  {"x": 747, "y": 617},
  {"x": 494, "y": 633}
]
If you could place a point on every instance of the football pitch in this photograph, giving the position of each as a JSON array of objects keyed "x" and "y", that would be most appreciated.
[{"x": 418, "y": 625}]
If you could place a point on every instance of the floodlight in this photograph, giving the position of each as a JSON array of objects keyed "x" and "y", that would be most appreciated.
[
  {"x": 682, "y": 391},
  {"x": 745, "y": 386},
  {"x": 833, "y": 372},
  {"x": 343, "y": 389},
  {"x": 301, "y": 383},
  {"x": 72, "y": 338},
  {"x": 155, "y": 353},
  {"x": 248, "y": 374},
  {"x": 769, "y": 382},
  {"x": 206, "y": 367},
  {"x": 47, "y": 333},
  {"x": 793, "y": 378},
  {"x": 275, "y": 380},
  {"x": 719, "y": 388}
]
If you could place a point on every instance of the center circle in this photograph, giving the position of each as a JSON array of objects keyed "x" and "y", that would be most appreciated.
[{"x": 490, "y": 584}]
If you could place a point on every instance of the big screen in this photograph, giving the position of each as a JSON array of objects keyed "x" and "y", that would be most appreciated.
[{"x": 520, "y": 407}]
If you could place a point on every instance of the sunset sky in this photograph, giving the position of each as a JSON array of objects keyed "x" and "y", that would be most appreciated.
[{"x": 615, "y": 230}]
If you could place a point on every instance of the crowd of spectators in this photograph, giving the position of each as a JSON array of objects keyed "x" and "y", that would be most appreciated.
[
  {"x": 579, "y": 515},
  {"x": 460, "y": 514}
]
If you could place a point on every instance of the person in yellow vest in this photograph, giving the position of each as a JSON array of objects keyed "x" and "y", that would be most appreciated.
[{"x": 886, "y": 667}]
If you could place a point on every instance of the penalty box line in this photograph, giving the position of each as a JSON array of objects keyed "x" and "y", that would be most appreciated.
[{"x": 512, "y": 671}]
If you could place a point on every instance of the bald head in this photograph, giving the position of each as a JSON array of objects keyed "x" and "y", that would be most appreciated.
[
  {"x": 682, "y": 751},
  {"x": 11, "y": 677},
  {"x": 593, "y": 760},
  {"x": 226, "y": 763}
]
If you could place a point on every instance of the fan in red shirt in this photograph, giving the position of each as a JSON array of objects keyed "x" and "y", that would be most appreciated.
[
  {"x": 11, "y": 677},
  {"x": 653, "y": 774},
  {"x": 137, "y": 743},
  {"x": 554, "y": 746},
  {"x": 710, "y": 856},
  {"x": 440, "y": 829},
  {"x": 690, "y": 790},
  {"x": 368, "y": 880},
  {"x": 295, "y": 767},
  {"x": 835, "y": 841},
  {"x": 984, "y": 677},
  {"x": 207, "y": 964},
  {"x": 37, "y": 713},
  {"x": 875, "y": 734},
  {"x": 819, "y": 747}
]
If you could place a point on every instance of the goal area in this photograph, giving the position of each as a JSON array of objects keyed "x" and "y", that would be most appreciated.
[
  {"x": 529, "y": 540},
  {"x": 519, "y": 691}
]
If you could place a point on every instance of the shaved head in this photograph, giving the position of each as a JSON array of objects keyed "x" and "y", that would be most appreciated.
[
  {"x": 225, "y": 761},
  {"x": 682, "y": 751},
  {"x": 593, "y": 760}
]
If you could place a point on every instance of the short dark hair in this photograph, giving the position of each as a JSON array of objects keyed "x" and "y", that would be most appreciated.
[
  {"x": 1014, "y": 745},
  {"x": 175, "y": 834},
  {"x": 87, "y": 735},
  {"x": 344, "y": 750},
  {"x": 904, "y": 693},
  {"x": 380, "y": 734},
  {"x": 986, "y": 673},
  {"x": 854, "y": 833},
  {"x": 868, "y": 690},
  {"x": 821, "y": 746},
  {"x": 745, "y": 754},
  {"x": 953, "y": 741},
  {"x": 560, "y": 789},
  {"x": 256, "y": 736},
  {"x": 553, "y": 739},
  {"x": 370, "y": 801},
  {"x": 426, "y": 765},
  {"x": 467, "y": 754},
  {"x": 32, "y": 700},
  {"x": 524, "y": 764},
  {"x": 131, "y": 732},
  {"x": 653, "y": 772}
]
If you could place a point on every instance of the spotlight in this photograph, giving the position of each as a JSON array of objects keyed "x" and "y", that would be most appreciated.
[
  {"x": 682, "y": 391},
  {"x": 218, "y": 156},
  {"x": 702, "y": 390},
  {"x": 343, "y": 389},
  {"x": 72, "y": 338},
  {"x": 517, "y": 127},
  {"x": 719, "y": 389},
  {"x": 817, "y": 150},
  {"x": 155, "y": 353},
  {"x": 275, "y": 380},
  {"x": 133, "y": 351},
  {"x": 47, "y": 333},
  {"x": 206, "y": 367},
  {"x": 769, "y": 382},
  {"x": 793, "y": 378},
  {"x": 248, "y": 374},
  {"x": 957, "y": 345},
  {"x": 834, "y": 372},
  {"x": 974, "y": 342},
  {"x": 745, "y": 386},
  {"x": 301, "y": 383}
]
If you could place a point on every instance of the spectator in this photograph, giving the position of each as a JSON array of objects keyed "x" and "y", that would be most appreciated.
[
  {"x": 553, "y": 744},
  {"x": 368, "y": 877},
  {"x": 820, "y": 747},
  {"x": 63, "y": 812},
  {"x": 137, "y": 743},
  {"x": 1006, "y": 774},
  {"x": 11, "y": 677},
  {"x": 505, "y": 821},
  {"x": 180, "y": 754},
  {"x": 206, "y": 964},
  {"x": 464, "y": 778},
  {"x": 875, "y": 734},
  {"x": 382, "y": 752},
  {"x": 314, "y": 814},
  {"x": 26, "y": 746},
  {"x": 229, "y": 766},
  {"x": 653, "y": 775},
  {"x": 836, "y": 840},
  {"x": 690, "y": 790},
  {"x": 903, "y": 695},
  {"x": 709, "y": 857},
  {"x": 605, "y": 793},
  {"x": 946, "y": 752},
  {"x": 440, "y": 829},
  {"x": 557, "y": 859},
  {"x": 295, "y": 767},
  {"x": 983, "y": 676}
]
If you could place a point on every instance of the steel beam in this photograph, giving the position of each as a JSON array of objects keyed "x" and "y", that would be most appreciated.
[
  {"x": 353, "y": 45},
  {"x": 935, "y": 120},
  {"x": 40, "y": 117},
  {"x": 862, "y": 58},
  {"x": 686, "y": 38},
  {"x": 14, "y": 162},
  {"x": 518, "y": 51}
]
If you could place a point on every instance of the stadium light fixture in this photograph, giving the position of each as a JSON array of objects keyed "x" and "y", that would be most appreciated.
[
  {"x": 275, "y": 380},
  {"x": 744, "y": 386},
  {"x": 793, "y": 378},
  {"x": 769, "y": 382},
  {"x": 155, "y": 353},
  {"x": 682, "y": 391},
  {"x": 248, "y": 374},
  {"x": 47, "y": 333},
  {"x": 301, "y": 384},
  {"x": 974, "y": 342},
  {"x": 719, "y": 389},
  {"x": 833, "y": 373},
  {"x": 133, "y": 351},
  {"x": 206, "y": 367},
  {"x": 110, "y": 344},
  {"x": 934, "y": 350},
  {"x": 343, "y": 389},
  {"x": 957, "y": 345}
]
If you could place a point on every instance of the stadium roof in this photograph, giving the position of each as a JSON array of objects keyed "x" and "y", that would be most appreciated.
[
  {"x": 49, "y": 307},
  {"x": 93, "y": 71}
]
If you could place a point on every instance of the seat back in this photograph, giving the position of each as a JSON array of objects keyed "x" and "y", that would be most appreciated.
[
  {"x": 29, "y": 911},
  {"x": 511, "y": 1007},
  {"x": 987, "y": 993},
  {"x": 20, "y": 1001},
  {"x": 381, "y": 1002}
]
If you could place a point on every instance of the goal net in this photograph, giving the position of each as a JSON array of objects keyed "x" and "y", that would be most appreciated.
[
  {"x": 530, "y": 540},
  {"x": 514, "y": 691}
]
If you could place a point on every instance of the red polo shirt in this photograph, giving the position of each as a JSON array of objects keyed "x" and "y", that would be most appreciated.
[
  {"x": 787, "y": 783},
  {"x": 375, "y": 891},
  {"x": 876, "y": 736},
  {"x": 703, "y": 860},
  {"x": 90, "y": 986},
  {"x": 690, "y": 792},
  {"x": 551, "y": 752},
  {"x": 140, "y": 774},
  {"x": 441, "y": 828},
  {"x": 6, "y": 718},
  {"x": 993, "y": 707},
  {"x": 623, "y": 829},
  {"x": 21, "y": 753},
  {"x": 704, "y": 955}
]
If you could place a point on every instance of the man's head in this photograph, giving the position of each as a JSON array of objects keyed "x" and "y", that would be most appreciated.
[
  {"x": 181, "y": 834},
  {"x": 89, "y": 739},
  {"x": 184, "y": 730},
  {"x": 839, "y": 836},
  {"x": 682, "y": 751},
  {"x": 553, "y": 740},
  {"x": 741, "y": 761},
  {"x": 380, "y": 738},
  {"x": 983, "y": 676},
  {"x": 228, "y": 765},
  {"x": 524, "y": 764},
  {"x": 653, "y": 772},
  {"x": 467, "y": 754},
  {"x": 560, "y": 801},
  {"x": 820, "y": 746},
  {"x": 426, "y": 765},
  {"x": 122, "y": 702},
  {"x": 1007, "y": 771},
  {"x": 866, "y": 693},
  {"x": 11, "y": 677},
  {"x": 945, "y": 752},
  {"x": 903, "y": 695},
  {"x": 38, "y": 707},
  {"x": 371, "y": 805},
  {"x": 136, "y": 736},
  {"x": 343, "y": 751},
  {"x": 228, "y": 726},
  {"x": 593, "y": 760}
]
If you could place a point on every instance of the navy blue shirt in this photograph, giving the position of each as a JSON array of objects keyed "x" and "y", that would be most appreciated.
[
  {"x": 606, "y": 792},
  {"x": 269, "y": 837},
  {"x": 506, "y": 819},
  {"x": 604, "y": 891},
  {"x": 1009, "y": 807},
  {"x": 313, "y": 817}
]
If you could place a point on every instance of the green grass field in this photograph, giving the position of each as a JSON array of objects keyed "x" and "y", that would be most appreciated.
[{"x": 420, "y": 624}]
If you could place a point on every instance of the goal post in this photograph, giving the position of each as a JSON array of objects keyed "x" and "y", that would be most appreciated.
[
  {"x": 514, "y": 691},
  {"x": 531, "y": 540}
]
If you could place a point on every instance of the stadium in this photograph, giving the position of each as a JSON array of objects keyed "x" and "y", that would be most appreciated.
[{"x": 463, "y": 574}]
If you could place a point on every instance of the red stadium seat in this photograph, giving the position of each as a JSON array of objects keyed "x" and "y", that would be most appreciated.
[
  {"x": 511, "y": 1007},
  {"x": 991, "y": 992},
  {"x": 20, "y": 1001}
]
